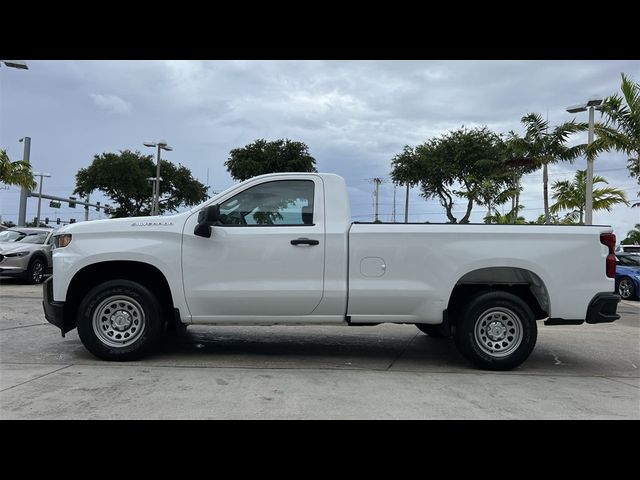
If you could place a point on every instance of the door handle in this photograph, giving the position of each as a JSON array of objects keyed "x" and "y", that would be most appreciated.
[{"x": 304, "y": 241}]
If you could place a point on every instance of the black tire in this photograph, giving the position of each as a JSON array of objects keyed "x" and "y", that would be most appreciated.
[
  {"x": 127, "y": 332},
  {"x": 496, "y": 331},
  {"x": 626, "y": 289},
  {"x": 434, "y": 331},
  {"x": 36, "y": 271}
]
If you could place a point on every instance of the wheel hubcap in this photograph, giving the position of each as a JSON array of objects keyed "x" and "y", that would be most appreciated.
[
  {"x": 38, "y": 271},
  {"x": 498, "y": 332},
  {"x": 118, "y": 321},
  {"x": 625, "y": 288}
]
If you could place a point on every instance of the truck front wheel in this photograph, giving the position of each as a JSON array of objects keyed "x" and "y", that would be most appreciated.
[
  {"x": 496, "y": 331},
  {"x": 119, "y": 320}
]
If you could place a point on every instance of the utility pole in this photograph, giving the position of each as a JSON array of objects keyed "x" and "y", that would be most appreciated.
[
  {"x": 377, "y": 181},
  {"x": 42, "y": 176},
  {"x": 22, "y": 210},
  {"x": 406, "y": 206},
  {"x": 86, "y": 210},
  {"x": 394, "y": 203}
]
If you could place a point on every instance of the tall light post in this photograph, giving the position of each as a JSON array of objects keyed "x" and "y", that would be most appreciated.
[
  {"x": 591, "y": 105},
  {"x": 161, "y": 145},
  {"x": 22, "y": 209},
  {"x": 41, "y": 175}
]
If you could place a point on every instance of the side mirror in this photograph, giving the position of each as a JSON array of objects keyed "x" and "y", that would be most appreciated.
[{"x": 207, "y": 217}]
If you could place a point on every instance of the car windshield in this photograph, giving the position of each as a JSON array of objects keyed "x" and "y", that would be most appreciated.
[
  {"x": 34, "y": 238},
  {"x": 629, "y": 260},
  {"x": 10, "y": 235}
]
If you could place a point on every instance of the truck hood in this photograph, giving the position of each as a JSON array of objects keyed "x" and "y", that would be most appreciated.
[{"x": 127, "y": 224}]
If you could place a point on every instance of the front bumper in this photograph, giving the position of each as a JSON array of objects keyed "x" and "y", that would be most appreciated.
[
  {"x": 53, "y": 311},
  {"x": 602, "y": 309}
]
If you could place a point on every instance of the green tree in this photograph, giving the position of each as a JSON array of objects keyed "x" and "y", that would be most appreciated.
[
  {"x": 456, "y": 165},
  {"x": 405, "y": 169},
  {"x": 621, "y": 128},
  {"x": 262, "y": 157},
  {"x": 510, "y": 218},
  {"x": 570, "y": 195},
  {"x": 633, "y": 236},
  {"x": 123, "y": 178},
  {"x": 17, "y": 173},
  {"x": 546, "y": 147}
]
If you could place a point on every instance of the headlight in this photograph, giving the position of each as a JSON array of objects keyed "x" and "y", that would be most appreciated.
[
  {"x": 17, "y": 254},
  {"x": 61, "y": 241}
]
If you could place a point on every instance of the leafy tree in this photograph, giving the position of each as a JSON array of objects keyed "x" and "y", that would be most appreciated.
[
  {"x": 456, "y": 165},
  {"x": 123, "y": 178},
  {"x": 549, "y": 147},
  {"x": 570, "y": 195},
  {"x": 17, "y": 173},
  {"x": 405, "y": 170},
  {"x": 262, "y": 157},
  {"x": 633, "y": 236},
  {"x": 510, "y": 218},
  {"x": 621, "y": 129}
]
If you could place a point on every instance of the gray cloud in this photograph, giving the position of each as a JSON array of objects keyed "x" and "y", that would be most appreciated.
[{"x": 354, "y": 115}]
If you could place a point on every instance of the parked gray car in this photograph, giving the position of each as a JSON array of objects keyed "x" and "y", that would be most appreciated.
[{"x": 26, "y": 253}]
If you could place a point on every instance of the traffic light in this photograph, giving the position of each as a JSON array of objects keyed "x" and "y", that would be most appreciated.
[
  {"x": 58, "y": 221},
  {"x": 73, "y": 220},
  {"x": 97, "y": 206},
  {"x": 72, "y": 204},
  {"x": 46, "y": 220}
]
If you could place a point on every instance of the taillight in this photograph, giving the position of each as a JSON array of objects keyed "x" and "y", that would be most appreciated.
[{"x": 609, "y": 239}]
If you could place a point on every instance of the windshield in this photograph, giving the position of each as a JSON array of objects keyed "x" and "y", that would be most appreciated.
[
  {"x": 10, "y": 236},
  {"x": 629, "y": 260},
  {"x": 34, "y": 238}
]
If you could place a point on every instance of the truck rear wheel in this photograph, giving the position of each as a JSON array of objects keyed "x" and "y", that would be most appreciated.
[
  {"x": 119, "y": 320},
  {"x": 496, "y": 331}
]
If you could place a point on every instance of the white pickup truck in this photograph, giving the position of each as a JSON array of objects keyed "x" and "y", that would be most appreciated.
[{"x": 281, "y": 249}]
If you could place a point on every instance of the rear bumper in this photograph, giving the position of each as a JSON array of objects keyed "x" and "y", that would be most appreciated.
[
  {"x": 602, "y": 309},
  {"x": 53, "y": 311}
]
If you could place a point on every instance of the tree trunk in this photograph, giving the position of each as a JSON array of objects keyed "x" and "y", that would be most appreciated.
[
  {"x": 545, "y": 182},
  {"x": 465, "y": 219}
]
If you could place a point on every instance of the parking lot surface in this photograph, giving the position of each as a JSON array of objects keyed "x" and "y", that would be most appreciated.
[{"x": 383, "y": 372}]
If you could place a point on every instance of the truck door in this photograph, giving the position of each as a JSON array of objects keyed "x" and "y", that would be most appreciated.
[{"x": 265, "y": 258}]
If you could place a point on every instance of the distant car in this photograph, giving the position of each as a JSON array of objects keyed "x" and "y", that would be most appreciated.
[
  {"x": 628, "y": 275},
  {"x": 26, "y": 253}
]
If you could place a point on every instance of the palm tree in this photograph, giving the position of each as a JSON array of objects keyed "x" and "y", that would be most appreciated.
[
  {"x": 510, "y": 218},
  {"x": 16, "y": 173},
  {"x": 570, "y": 195},
  {"x": 405, "y": 170},
  {"x": 621, "y": 129},
  {"x": 549, "y": 148},
  {"x": 633, "y": 236}
]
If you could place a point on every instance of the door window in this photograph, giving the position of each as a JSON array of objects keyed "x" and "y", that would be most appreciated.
[{"x": 282, "y": 202}]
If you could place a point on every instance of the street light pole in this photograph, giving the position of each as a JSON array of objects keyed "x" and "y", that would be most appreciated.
[
  {"x": 593, "y": 104},
  {"x": 162, "y": 145},
  {"x": 42, "y": 176},
  {"x": 22, "y": 209}
]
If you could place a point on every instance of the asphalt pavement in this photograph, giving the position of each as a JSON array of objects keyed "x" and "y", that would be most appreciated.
[{"x": 383, "y": 372}]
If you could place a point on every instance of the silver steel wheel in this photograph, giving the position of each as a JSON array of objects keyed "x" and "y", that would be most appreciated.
[
  {"x": 118, "y": 321},
  {"x": 498, "y": 332},
  {"x": 625, "y": 288},
  {"x": 37, "y": 271}
]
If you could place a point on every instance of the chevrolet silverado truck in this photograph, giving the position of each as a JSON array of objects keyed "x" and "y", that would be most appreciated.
[{"x": 281, "y": 249}]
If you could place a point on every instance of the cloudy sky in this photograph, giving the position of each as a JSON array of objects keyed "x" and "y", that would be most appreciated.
[{"x": 354, "y": 116}]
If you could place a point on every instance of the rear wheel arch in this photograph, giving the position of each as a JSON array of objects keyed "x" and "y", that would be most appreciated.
[{"x": 523, "y": 283}]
